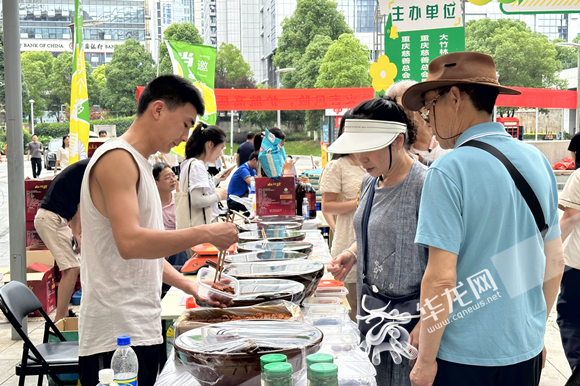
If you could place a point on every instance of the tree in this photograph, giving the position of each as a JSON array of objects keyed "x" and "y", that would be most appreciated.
[
  {"x": 60, "y": 82},
  {"x": 310, "y": 18},
  {"x": 129, "y": 67},
  {"x": 37, "y": 68},
  {"x": 306, "y": 73},
  {"x": 308, "y": 65},
  {"x": 346, "y": 64},
  {"x": 100, "y": 81},
  {"x": 184, "y": 32},
  {"x": 567, "y": 56},
  {"x": 231, "y": 68},
  {"x": 523, "y": 58}
]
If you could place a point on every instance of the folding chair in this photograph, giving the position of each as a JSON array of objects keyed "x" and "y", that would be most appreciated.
[{"x": 16, "y": 302}]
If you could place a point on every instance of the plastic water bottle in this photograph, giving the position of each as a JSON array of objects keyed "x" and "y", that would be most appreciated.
[
  {"x": 106, "y": 377},
  {"x": 305, "y": 208},
  {"x": 124, "y": 362},
  {"x": 252, "y": 185}
]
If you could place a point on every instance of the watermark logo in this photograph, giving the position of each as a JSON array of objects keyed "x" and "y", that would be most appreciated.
[{"x": 482, "y": 286}]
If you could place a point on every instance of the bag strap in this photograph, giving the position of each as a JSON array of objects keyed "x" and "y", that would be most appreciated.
[
  {"x": 525, "y": 189},
  {"x": 365, "y": 220}
]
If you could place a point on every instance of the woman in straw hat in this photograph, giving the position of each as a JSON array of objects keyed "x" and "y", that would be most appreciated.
[{"x": 390, "y": 265}]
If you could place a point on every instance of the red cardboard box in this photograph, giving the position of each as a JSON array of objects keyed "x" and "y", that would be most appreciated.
[
  {"x": 33, "y": 240},
  {"x": 275, "y": 198},
  {"x": 40, "y": 279},
  {"x": 34, "y": 189}
]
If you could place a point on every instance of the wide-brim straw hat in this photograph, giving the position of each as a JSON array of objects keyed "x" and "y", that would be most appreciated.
[
  {"x": 362, "y": 135},
  {"x": 455, "y": 69}
]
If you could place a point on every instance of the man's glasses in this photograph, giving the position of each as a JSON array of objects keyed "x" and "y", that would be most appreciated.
[
  {"x": 170, "y": 177},
  {"x": 425, "y": 110}
]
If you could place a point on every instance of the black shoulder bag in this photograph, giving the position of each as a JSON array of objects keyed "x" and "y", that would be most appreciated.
[
  {"x": 525, "y": 189},
  {"x": 371, "y": 299}
]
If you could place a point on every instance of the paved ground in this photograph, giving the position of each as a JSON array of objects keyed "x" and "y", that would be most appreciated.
[{"x": 556, "y": 372}]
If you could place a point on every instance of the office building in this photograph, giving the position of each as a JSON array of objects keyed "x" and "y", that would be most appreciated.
[
  {"x": 165, "y": 13},
  {"x": 254, "y": 26},
  {"x": 45, "y": 26}
]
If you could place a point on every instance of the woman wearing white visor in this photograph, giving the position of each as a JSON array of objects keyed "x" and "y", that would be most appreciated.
[{"x": 390, "y": 265}]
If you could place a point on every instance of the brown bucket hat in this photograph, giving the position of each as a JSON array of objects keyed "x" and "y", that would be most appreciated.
[{"x": 455, "y": 69}]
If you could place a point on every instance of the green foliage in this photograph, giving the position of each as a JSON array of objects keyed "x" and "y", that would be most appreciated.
[
  {"x": 60, "y": 129},
  {"x": 230, "y": 63},
  {"x": 61, "y": 77},
  {"x": 346, "y": 64},
  {"x": 310, "y": 18},
  {"x": 37, "y": 68},
  {"x": 303, "y": 148},
  {"x": 262, "y": 119},
  {"x": 184, "y": 32},
  {"x": 523, "y": 58},
  {"x": 576, "y": 39},
  {"x": 567, "y": 56},
  {"x": 129, "y": 67},
  {"x": 26, "y": 138},
  {"x": 44, "y": 139},
  {"x": 308, "y": 65}
]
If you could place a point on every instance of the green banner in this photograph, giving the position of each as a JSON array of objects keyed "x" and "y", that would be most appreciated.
[
  {"x": 196, "y": 62},
  {"x": 412, "y": 51}
]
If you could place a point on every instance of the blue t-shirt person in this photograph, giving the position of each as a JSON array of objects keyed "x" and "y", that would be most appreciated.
[
  {"x": 238, "y": 185},
  {"x": 499, "y": 312}
]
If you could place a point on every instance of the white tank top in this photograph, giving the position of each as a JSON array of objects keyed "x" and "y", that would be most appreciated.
[{"x": 120, "y": 297}]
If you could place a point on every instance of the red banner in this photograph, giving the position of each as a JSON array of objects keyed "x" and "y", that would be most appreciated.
[
  {"x": 330, "y": 98},
  {"x": 539, "y": 97}
]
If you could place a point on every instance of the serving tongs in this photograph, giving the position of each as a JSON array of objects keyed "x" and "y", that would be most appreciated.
[{"x": 222, "y": 254}]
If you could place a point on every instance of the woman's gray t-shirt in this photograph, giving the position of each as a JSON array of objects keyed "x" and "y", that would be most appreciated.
[{"x": 395, "y": 264}]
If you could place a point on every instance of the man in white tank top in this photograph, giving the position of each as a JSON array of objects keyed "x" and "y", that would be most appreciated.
[{"x": 124, "y": 242}]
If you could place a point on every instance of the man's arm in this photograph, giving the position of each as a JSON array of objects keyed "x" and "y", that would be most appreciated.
[
  {"x": 114, "y": 193},
  {"x": 573, "y": 155},
  {"x": 553, "y": 271},
  {"x": 568, "y": 222},
  {"x": 176, "y": 279},
  {"x": 29, "y": 152},
  {"x": 75, "y": 226},
  {"x": 440, "y": 274},
  {"x": 238, "y": 159}
]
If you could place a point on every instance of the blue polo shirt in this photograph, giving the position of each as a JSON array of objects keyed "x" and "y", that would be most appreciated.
[
  {"x": 238, "y": 186},
  {"x": 471, "y": 207}
]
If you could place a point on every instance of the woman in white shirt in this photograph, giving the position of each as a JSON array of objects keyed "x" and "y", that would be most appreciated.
[
  {"x": 62, "y": 155},
  {"x": 204, "y": 145}
]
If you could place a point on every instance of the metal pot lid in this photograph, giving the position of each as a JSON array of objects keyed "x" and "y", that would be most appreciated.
[
  {"x": 268, "y": 288},
  {"x": 259, "y": 256},
  {"x": 268, "y": 225},
  {"x": 229, "y": 337},
  {"x": 273, "y": 268},
  {"x": 296, "y": 246},
  {"x": 272, "y": 234}
]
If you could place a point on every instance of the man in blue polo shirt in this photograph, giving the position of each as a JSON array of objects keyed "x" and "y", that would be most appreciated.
[
  {"x": 491, "y": 276},
  {"x": 240, "y": 182}
]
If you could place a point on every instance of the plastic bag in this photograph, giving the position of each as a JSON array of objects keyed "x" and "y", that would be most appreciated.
[
  {"x": 566, "y": 164},
  {"x": 272, "y": 156}
]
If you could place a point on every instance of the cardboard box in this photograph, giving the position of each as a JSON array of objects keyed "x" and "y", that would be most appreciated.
[
  {"x": 34, "y": 190},
  {"x": 275, "y": 198},
  {"x": 40, "y": 279},
  {"x": 69, "y": 328},
  {"x": 33, "y": 239}
]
